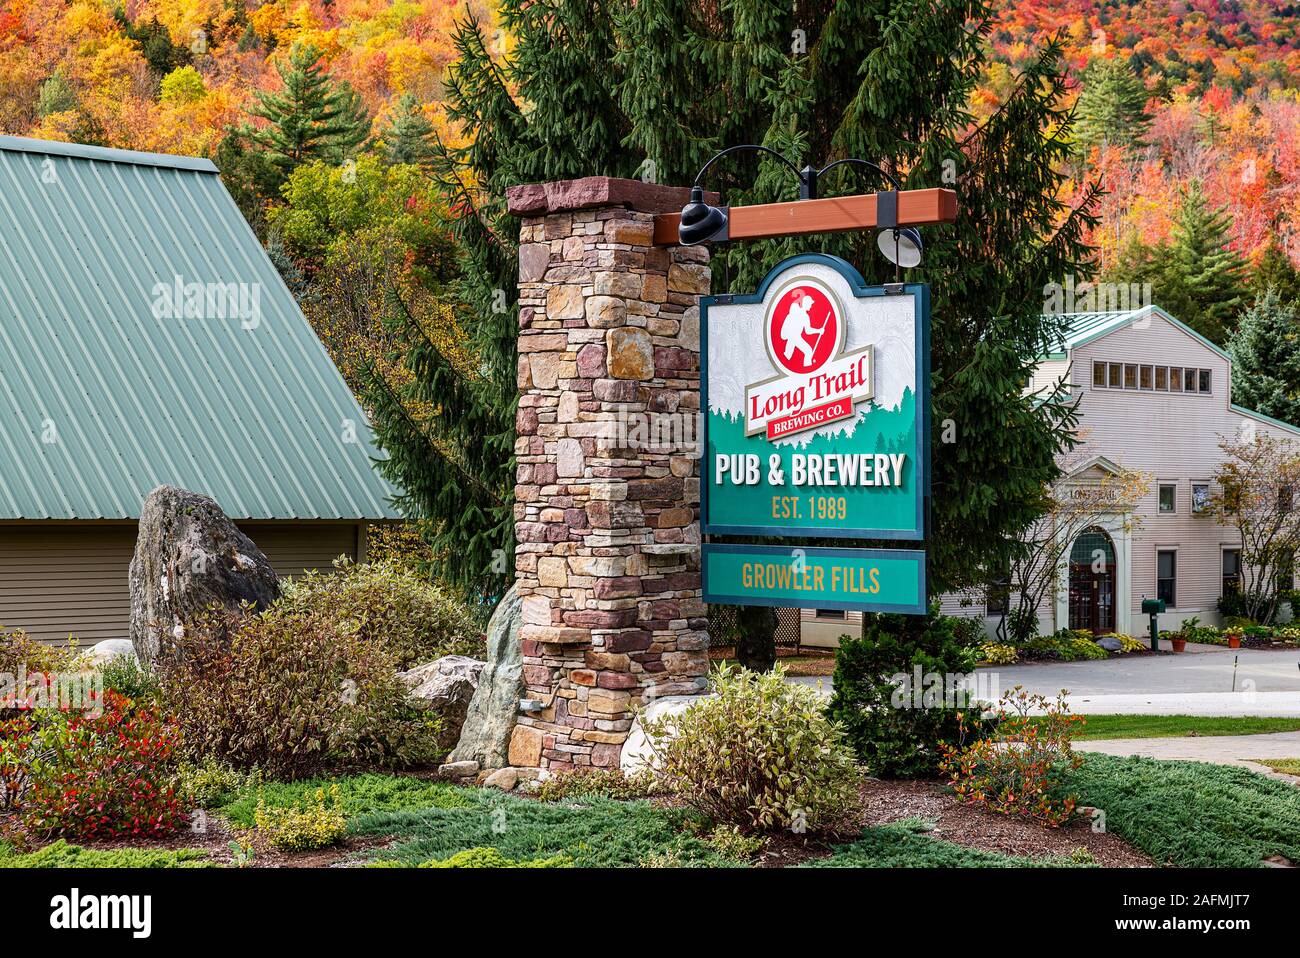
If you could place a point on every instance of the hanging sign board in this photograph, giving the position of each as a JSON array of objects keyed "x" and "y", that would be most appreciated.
[{"x": 816, "y": 401}]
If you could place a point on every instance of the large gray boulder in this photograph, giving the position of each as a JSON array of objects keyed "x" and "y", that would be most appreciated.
[
  {"x": 189, "y": 557},
  {"x": 485, "y": 736},
  {"x": 446, "y": 686}
]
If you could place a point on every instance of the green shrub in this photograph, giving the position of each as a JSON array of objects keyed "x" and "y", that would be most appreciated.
[
  {"x": 20, "y": 650},
  {"x": 291, "y": 695},
  {"x": 1237, "y": 604},
  {"x": 1068, "y": 645},
  {"x": 318, "y": 824},
  {"x": 368, "y": 793},
  {"x": 484, "y": 858},
  {"x": 732, "y": 843},
  {"x": 125, "y": 675},
  {"x": 600, "y": 782},
  {"x": 894, "y": 739},
  {"x": 1191, "y": 814},
  {"x": 389, "y": 605},
  {"x": 598, "y": 833},
  {"x": 210, "y": 783},
  {"x": 758, "y": 755},
  {"x": 60, "y": 854},
  {"x": 995, "y": 653}
]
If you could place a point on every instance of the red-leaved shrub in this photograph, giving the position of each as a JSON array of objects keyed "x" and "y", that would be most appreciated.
[
  {"x": 1018, "y": 769},
  {"x": 68, "y": 774}
]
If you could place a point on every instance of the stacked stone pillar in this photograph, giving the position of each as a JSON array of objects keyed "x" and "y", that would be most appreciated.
[{"x": 607, "y": 493}]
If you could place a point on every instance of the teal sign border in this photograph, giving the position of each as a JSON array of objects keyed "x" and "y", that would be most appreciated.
[
  {"x": 921, "y": 455},
  {"x": 787, "y": 552}
]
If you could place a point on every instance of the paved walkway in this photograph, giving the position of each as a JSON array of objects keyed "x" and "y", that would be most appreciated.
[
  {"x": 1223, "y": 749},
  {"x": 1199, "y": 681}
]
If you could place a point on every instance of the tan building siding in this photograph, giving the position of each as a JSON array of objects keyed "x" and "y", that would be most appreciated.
[
  {"x": 1170, "y": 436},
  {"x": 61, "y": 580}
]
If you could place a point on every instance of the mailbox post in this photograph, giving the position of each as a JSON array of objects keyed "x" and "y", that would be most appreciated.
[{"x": 1153, "y": 607}]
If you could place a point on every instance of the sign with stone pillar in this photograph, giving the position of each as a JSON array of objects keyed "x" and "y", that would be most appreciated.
[{"x": 608, "y": 487}]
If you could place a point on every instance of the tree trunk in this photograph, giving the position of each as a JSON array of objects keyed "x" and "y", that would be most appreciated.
[{"x": 756, "y": 637}]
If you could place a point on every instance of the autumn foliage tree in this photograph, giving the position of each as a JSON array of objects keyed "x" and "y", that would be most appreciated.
[{"x": 1257, "y": 483}]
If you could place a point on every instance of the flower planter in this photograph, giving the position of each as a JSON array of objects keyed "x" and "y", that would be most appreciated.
[
  {"x": 1179, "y": 643},
  {"x": 1234, "y": 641}
]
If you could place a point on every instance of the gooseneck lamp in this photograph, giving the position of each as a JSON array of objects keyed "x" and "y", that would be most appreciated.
[{"x": 703, "y": 223}]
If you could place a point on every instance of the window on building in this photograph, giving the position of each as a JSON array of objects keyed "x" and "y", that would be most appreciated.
[
  {"x": 1130, "y": 376},
  {"x": 1116, "y": 376},
  {"x": 830, "y": 614},
  {"x": 1167, "y": 576},
  {"x": 1099, "y": 375},
  {"x": 1168, "y": 497},
  {"x": 1231, "y": 571},
  {"x": 1145, "y": 377},
  {"x": 1189, "y": 380},
  {"x": 1285, "y": 499},
  {"x": 1162, "y": 378},
  {"x": 1204, "y": 381},
  {"x": 1200, "y": 496},
  {"x": 1175, "y": 379},
  {"x": 997, "y": 597}
]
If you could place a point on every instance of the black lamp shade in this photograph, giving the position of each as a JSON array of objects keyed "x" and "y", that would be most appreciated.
[{"x": 700, "y": 222}]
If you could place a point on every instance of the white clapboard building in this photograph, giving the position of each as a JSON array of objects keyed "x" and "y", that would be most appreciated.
[{"x": 1153, "y": 397}]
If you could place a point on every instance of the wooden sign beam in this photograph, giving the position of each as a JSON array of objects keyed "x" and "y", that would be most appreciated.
[{"x": 832, "y": 215}]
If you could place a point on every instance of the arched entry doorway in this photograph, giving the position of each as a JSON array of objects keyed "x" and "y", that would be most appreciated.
[{"x": 1092, "y": 582}]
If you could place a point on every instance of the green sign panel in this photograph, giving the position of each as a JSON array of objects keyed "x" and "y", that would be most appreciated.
[
  {"x": 816, "y": 401},
  {"x": 882, "y": 580}
]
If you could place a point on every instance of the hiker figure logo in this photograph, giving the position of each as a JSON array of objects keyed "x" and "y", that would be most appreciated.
[
  {"x": 816, "y": 382},
  {"x": 804, "y": 329}
]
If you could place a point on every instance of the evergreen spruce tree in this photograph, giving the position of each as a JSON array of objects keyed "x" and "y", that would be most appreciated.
[
  {"x": 1265, "y": 351},
  {"x": 1275, "y": 271},
  {"x": 313, "y": 118},
  {"x": 653, "y": 89},
  {"x": 408, "y": 138},
  {"x": 1196, "y": 276},
  {"x": 1112, "y": 107}
]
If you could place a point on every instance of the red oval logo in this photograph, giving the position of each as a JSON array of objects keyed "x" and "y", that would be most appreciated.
[{"x": 803, "y": 329}]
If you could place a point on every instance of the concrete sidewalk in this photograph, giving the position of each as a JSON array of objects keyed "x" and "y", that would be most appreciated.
[{"x": 1221, "y": 749}]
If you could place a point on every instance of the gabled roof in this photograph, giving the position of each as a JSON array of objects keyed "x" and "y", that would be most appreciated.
[
  {"x": 1098, "y": 462},
  {"x": 1083, "y": 328},
  {"x": 108, "y": 387}
]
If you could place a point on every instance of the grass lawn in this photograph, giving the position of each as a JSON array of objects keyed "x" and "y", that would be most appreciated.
[
  {"x": 1287, "y": 766},
  {"x": 1174, "y": 726},
  {"x": 1192, "y": 814}
]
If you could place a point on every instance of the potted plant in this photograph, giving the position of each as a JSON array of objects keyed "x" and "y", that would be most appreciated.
[
  {"x": 1178, "y": 641},
  {"x": 1234, "y": 639}
]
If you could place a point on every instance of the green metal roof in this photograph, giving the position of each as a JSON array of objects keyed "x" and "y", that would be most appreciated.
[
  {"x": 107, "y": 389},
  {"x": 1083, "y": 328}
]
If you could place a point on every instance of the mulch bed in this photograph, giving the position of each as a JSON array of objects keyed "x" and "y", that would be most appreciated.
[
  {"x": 975, "y": 827},
  {"x": 882, "y": 802},
  {"x": 1257, "y": 642}
]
